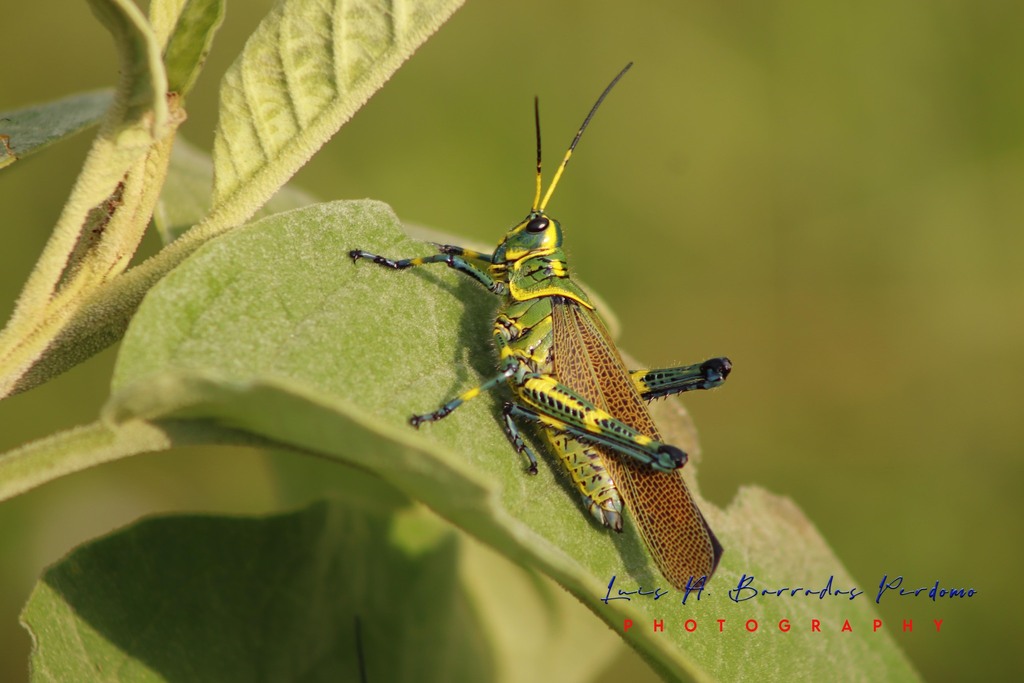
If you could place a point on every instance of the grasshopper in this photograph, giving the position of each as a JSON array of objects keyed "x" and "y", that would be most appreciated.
[{"x": 567, "y": 376}]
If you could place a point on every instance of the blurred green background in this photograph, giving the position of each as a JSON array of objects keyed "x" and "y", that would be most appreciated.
[{"x": 828, "y": 193}]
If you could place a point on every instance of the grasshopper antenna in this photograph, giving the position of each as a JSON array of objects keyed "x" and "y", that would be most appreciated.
[
  {"x": 536, "y": 120},
  {"x": 575, "y": 140}
]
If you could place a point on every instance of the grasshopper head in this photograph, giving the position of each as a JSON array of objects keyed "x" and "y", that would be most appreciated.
[{"x": 538, "y": 232}]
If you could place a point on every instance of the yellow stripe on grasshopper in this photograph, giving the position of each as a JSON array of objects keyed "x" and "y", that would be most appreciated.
[
  {"x": 545, "y": 393},
  {"x": 467, "y": 395}
]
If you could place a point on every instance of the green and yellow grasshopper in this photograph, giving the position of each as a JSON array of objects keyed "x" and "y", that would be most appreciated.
[{"x": 567, "y": 376}]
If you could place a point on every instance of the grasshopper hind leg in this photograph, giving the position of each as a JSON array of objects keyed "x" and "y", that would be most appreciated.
[
  {"x": 596, "y": 489},
  {"x": 662, "y": 382}
]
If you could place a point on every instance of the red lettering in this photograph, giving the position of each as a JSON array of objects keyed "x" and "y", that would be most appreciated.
[
  {"x": 627, "y": 624},
  {"x": 876, "y": 624},
  {"x": 659, "y": 625},
  {"x": 750, "y": 627},
  {"x": 938, "y": 625},
  {"x": 784, "y": 625},
  {"x": 846, "y": 627},
  {"x": 721, "y": 625},
  {"x": 908, "y": 626},
  {"x": 815, "y": 626},
  {"x": 690, "y": 625}
]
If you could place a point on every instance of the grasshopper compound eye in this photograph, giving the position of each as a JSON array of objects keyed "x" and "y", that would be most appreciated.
[{"x": 538, "y": 224}]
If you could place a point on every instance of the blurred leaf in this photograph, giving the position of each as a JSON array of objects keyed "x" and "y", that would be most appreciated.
[
  {"x": 362, "y": 45},
  {"x": 80, "y": 448},
  {"x": 190, "y": 42},
  {"x": 278, "y": 598},
  {"x": 34, "y": 128},
  {"x": 275, "y": 331},
  {"x": 109, "y": 207},
  {"x": 163, "y": 18},
  {"x": 143, "y": 83},
  {"x": 74, "y": 450},
  {"x": 185, "y": 199},
  {"x": 304, "y": 72}
]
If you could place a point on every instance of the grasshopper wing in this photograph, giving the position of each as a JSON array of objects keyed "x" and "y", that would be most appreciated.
[{"x": 675, "y": 531}]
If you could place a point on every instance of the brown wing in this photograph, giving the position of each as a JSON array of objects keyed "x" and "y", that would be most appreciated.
[{"x": 670, "y": 523}]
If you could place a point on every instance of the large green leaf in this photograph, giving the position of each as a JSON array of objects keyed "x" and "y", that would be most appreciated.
[
  {"x": 300, "y": 596},
  {"x": 278, "y": 598},
  {"x": 275, "y": 331}
]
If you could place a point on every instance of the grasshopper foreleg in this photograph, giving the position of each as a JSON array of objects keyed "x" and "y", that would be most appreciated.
[
  {"x": 512, "y": 431},
  {"x": 450, "y": 256},
  {"x": 466, "y": 253},
  {"x": 447, "y": 408}
]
